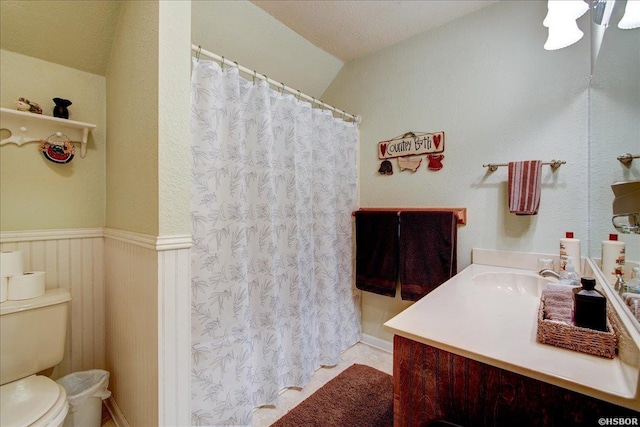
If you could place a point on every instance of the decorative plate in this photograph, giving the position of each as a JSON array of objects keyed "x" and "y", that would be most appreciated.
[{"x": 58, "y": 152}]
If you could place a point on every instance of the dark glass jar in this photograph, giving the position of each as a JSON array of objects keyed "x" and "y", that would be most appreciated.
[{"x": 590, "y": 306}]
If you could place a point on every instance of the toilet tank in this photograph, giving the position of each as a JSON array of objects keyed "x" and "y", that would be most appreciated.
[{"x": 32, "y": 334}]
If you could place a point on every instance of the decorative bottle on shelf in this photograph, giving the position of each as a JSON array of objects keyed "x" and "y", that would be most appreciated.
[
  {"x": 60, "y": 110},
  {"x": 569, "y": 275},
  {"x": 633, "y": 285},
  {"x": 612, "y": 258},
  {"x": 570, "y": 250},
  {"x": 590, "y": 307}
]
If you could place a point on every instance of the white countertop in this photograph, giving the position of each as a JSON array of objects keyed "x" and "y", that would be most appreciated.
[{"x": 499, "y": 328}]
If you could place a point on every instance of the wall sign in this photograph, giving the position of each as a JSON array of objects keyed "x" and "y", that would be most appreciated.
[
  {"x": 411, "y": 144},
  {"x": 407, "y": 147}
]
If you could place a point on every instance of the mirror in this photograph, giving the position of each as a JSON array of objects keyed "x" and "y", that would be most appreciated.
[{"x": 614, "y": 114}]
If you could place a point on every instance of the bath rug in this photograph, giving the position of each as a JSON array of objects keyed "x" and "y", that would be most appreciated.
[{"x": 359, "y": 396}]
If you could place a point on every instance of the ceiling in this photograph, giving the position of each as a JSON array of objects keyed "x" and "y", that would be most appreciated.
[
  {"x": 351, "y": 29},
  {"x": 79, "y": 34}
]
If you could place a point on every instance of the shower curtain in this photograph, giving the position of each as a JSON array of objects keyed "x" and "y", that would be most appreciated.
[{"x": 273, "y": 188}]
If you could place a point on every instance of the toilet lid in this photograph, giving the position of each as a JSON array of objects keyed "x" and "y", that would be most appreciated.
[{"x": 24, "y": 401}]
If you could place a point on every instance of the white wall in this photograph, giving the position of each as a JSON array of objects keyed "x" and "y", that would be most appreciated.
[
  {"x": 132, "y": 121},
  {"x": 242, "y": 32},
  {"x": 486, "y": 81},
  {"x": 131, "y": 271},
  {"x": 615, "y": 129},
  {"x": 174, "y": 114},
  {"x": 147, "y": 241},
  {"x": 35, "y": 193}
]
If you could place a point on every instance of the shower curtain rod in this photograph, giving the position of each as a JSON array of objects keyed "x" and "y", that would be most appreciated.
[{"x": 199, "y": 51}]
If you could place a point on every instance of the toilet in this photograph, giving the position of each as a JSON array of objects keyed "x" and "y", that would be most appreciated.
[{"x": 32, "y": 339}]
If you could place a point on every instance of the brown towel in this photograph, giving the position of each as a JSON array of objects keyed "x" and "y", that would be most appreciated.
[
  {"x": 524, "y": 187},
  {"x": 377, "y": 252},
  {"x": 427, "y": 251}
]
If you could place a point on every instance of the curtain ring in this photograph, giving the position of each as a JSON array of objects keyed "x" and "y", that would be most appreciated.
[
  {"x": 198, "y": 52},
  {"x": 254, "y": 76},
  {"x": 222, "y": 63},
  {"x": 283, "y": 86}
]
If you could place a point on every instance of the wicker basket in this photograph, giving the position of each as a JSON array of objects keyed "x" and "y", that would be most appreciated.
[{"x": 575, "y": 338}]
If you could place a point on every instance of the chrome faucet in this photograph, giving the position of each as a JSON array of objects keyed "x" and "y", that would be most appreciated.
[
  {"x": 547, "y": 273},
  {"x": 620, "y": 286}
]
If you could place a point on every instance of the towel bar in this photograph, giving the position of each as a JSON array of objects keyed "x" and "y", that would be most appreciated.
[
  {"x": 461, "y": 213},
  {"x": 555, "y": 164},
  {"x": 627, "y": 158}
]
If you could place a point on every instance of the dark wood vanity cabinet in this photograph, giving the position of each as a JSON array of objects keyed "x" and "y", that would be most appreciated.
[{"x": 432, "y": 384}]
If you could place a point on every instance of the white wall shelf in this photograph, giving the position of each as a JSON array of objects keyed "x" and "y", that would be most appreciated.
[{"x": 29, "y": 127}]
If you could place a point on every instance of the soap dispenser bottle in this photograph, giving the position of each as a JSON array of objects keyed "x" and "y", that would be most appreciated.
[
  {"x": 613, "y": 254},
  {"x": 590, "y": 308},
  {"x": 633, "y": 285},
  {"x": 569, "y": 275},
  {"x": 570, "y": 252}
]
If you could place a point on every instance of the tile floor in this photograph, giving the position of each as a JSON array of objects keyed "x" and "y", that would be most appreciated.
[
  {"x": 359, "y": 353},
  {"x": 106, "y": 418}
]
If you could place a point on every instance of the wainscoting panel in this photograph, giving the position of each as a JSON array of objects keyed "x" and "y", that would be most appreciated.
[
  {"x": 132, "y": 328},
  {"x": 130, "y": 314},
  {"x": 73, "y": 260},
  {"x": 174, "y": 328},
  {"x": 148, "y": 301}
]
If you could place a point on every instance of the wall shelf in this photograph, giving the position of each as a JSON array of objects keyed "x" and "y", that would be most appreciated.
[{"x": 29, "y": 127}]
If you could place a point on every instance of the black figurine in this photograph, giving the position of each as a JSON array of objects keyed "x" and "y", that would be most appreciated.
[
  {"x": 60, "y": 110},
  {"x": 385, "y": 168}
]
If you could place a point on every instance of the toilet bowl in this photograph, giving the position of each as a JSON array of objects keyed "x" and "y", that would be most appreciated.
[
  {"x": 35, "y": 401},
  {"x": 32, "y": 337}
]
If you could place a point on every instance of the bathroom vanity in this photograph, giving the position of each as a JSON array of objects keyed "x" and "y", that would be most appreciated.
[{"x": 467, "y": 353}]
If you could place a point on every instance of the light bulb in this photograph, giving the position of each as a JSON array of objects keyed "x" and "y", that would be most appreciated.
[
  {"x": 563, "y": 34},
  {"x": 631, "y": 18},
  {"x": 570, "y": 9}
]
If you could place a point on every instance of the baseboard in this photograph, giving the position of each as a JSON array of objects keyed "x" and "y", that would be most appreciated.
[
  {"x": 376, "y": 342},
  {"x": 116, "y": 414}
]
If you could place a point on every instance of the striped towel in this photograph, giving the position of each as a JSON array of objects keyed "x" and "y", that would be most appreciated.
[{"x": 524, "y": 187}]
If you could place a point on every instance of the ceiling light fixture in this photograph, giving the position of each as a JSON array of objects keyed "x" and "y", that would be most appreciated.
[
  {"x": 561, "y": 21},
  {"x": 631, "y": 17}
]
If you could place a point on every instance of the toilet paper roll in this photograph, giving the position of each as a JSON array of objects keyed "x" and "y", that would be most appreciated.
[
  {"x": 28, "y": 285},
  {"x": 11, "y": 263},
  {"x": 3, "y": 289}
]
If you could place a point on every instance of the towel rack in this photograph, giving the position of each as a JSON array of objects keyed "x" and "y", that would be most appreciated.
[
  {"x": 461, "y": 213},
  {"x": 627, "y": 158},
  {"x": 555, "y": 164}
]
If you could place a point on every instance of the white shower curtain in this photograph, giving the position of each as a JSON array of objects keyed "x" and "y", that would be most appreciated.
[{"x": 273, "y": 188}]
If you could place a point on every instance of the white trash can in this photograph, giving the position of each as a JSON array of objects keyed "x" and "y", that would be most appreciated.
[{"x": 85, "y": 392}]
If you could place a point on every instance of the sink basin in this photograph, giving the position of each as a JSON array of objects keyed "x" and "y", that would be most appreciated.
[{"x": 517, "y": 284}]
